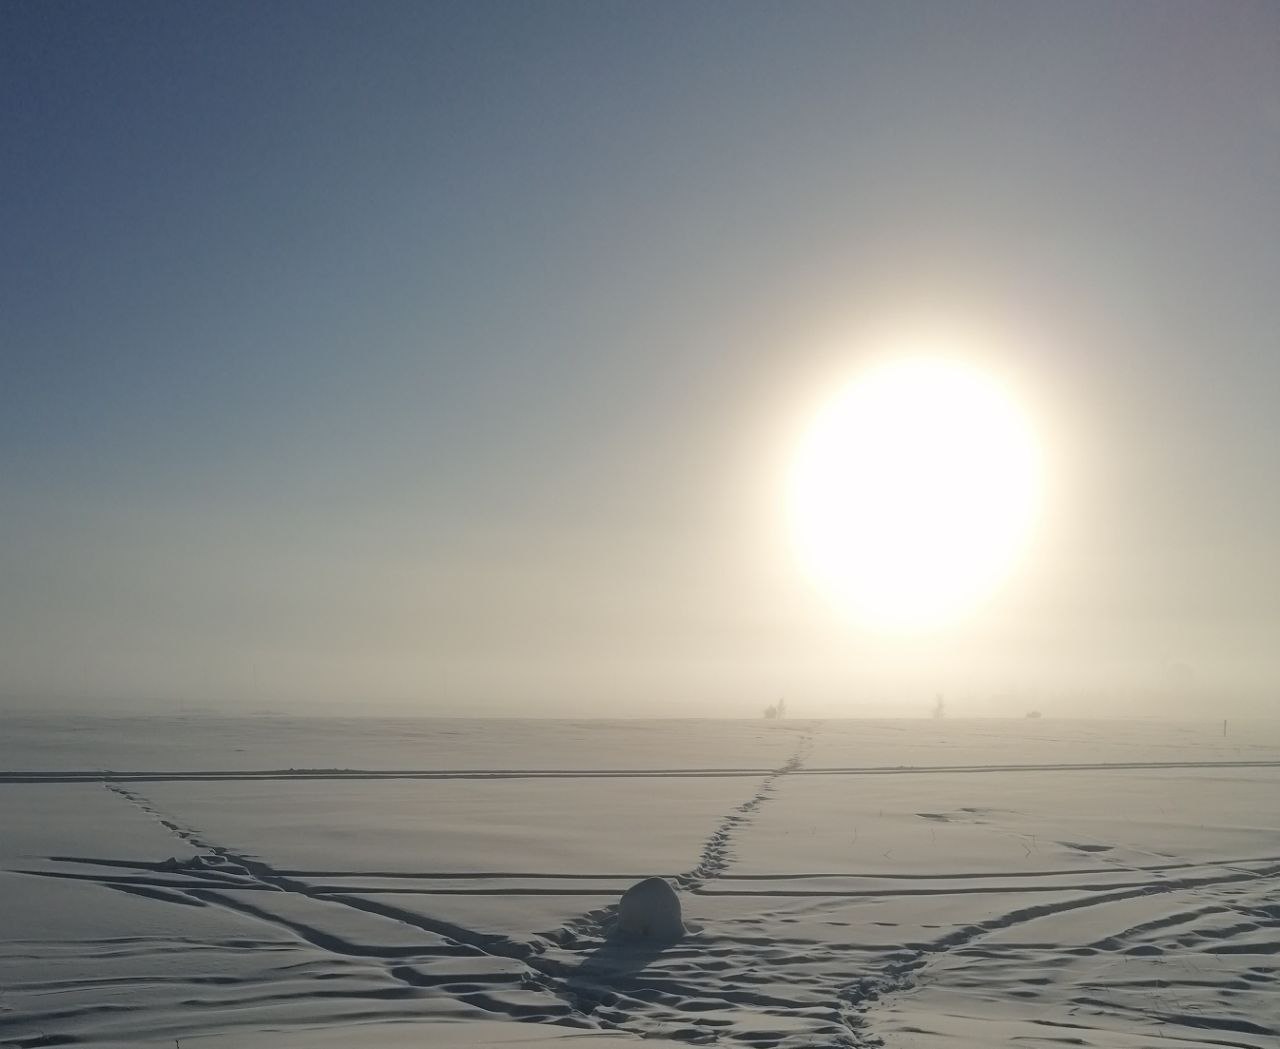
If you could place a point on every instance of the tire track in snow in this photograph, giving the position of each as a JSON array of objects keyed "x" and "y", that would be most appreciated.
[
  {"x": 631, "y": 1006},
  {"x": 218, "y": 775},
  {"x": 901, "y": 976},
  {"x": 245, "y": 873},
  {"x": 682, "y": 995},
  {"x": 220, "y": 877}
]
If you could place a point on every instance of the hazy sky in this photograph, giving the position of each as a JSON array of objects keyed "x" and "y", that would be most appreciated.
[{"x": 448, "y": 357}]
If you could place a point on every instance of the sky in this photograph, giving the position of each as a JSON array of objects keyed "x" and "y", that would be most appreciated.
[{"x": 448, "y": 358}]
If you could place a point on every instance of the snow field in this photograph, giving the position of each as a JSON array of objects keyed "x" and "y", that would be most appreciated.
[{"x": 831, "y": 899}]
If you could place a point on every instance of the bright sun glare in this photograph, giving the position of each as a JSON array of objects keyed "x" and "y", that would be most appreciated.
[{"x": 913, "y": 492}]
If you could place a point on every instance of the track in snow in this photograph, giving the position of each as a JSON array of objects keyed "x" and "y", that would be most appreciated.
[{"x": 744, "y": 978}]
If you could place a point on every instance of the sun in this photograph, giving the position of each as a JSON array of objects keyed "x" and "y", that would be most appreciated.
[{"x": 913, "y": 492}]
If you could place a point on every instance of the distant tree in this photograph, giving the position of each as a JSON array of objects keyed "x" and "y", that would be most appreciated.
[
  {"x": 771, "y": 713},
  {"x": 782, "y": 709},
  {"x": 939, "y": 707}
]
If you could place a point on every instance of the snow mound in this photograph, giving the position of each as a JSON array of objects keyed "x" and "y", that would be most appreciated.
[{"x": 649, "y": 910}]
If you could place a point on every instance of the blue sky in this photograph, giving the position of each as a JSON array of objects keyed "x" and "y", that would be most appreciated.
[{"x": 442, "y": 357}]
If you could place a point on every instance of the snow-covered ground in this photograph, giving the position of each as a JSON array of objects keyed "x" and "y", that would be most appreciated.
[{"x": 289, "y": 884}]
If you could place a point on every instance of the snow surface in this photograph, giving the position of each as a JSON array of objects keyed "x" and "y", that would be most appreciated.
[{"x": 275, "y": 883}]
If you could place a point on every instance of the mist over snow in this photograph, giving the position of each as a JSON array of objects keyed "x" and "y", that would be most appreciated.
[{"x": 454, "y": 358}]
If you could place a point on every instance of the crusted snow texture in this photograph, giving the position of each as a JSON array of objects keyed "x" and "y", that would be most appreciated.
[{"x": 649, "y": 910}]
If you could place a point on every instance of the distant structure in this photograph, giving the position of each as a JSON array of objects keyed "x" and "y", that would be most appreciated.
[
  {"x": 776, "y": 712},
  {"x": 1033, "y": 713},
  {"x": 939, "y": 707}
]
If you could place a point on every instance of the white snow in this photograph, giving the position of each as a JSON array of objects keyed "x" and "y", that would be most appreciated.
[
  {"x": 631, "y": 826},
  {"x": 649, "y": 910},
  {"x": 918, "y": 884}
]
